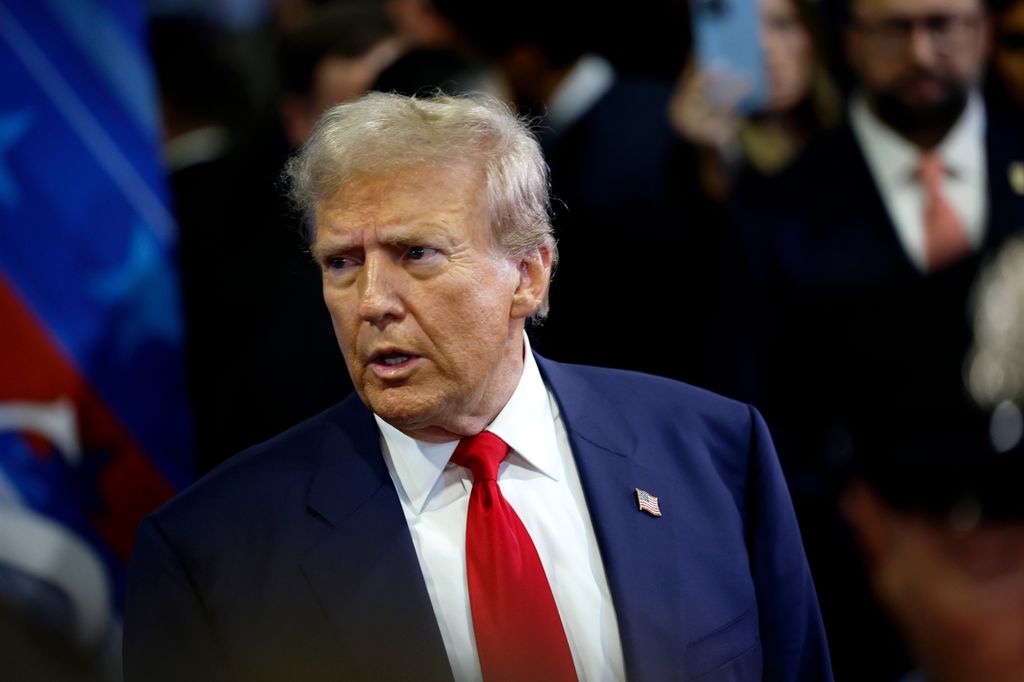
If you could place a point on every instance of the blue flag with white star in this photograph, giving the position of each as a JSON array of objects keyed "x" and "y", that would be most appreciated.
[{"x": 94, "y": 423}]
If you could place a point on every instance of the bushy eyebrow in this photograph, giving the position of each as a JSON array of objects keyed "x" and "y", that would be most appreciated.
[
  {"x": 404, "y": 235},
  {"x": 320, "y": 249},
  {"x": 394, "y": 236}
]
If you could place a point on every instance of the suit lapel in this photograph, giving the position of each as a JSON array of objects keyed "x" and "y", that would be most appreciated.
[
  {"x": 1005, "y": 165},
  {"x": 881, "y": 241},
  {"x": 365, "y": 572},
  {"x": 639, "y": 551}
]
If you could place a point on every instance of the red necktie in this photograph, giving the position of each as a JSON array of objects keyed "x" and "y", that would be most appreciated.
[
  {"x": 519, "y": 634},
  {"x": 944, "y": 236}
]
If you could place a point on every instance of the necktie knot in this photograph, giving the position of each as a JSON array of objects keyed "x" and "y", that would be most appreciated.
[
  {"x": 930, "y": 169},
  {"x": 481, "y": 454}
]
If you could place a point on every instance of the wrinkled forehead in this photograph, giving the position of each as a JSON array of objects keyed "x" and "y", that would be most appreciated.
[
  {"x": 421, "y": 185},
  {"x": 448, "y": 197},
  {"x": 913, "y": 7},
  {"x": 440, "y": 178}
]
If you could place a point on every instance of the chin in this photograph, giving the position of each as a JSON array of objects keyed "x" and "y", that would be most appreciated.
[{"x": 403, "y": 407}]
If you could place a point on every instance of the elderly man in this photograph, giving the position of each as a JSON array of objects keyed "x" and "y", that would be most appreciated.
[{"x": 477, "y": 512}]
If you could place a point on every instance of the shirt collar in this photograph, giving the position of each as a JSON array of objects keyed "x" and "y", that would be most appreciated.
[
  {"x": 525, "y": 423},
  {"x": 962, "y": 150},
  {"x": 894, "y": 158}
]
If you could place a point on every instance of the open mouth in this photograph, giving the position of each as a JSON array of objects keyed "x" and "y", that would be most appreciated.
[{"x": 393, "y": 359}]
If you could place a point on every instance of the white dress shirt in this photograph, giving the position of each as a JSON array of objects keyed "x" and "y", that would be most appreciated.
[
  {"x": 893, "y": 161},
  {"x": 539, "y": 479}
]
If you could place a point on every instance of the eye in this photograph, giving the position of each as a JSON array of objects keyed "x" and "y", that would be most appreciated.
[
  {"x": 337, "y": 265},
  {"x": 420, "y": 253}
]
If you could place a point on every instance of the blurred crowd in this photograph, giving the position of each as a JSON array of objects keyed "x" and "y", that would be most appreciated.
[{"x": 844, "y": 254}]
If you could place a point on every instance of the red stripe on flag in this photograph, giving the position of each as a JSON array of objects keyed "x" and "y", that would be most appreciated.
[{"x": 35, "y": 369}]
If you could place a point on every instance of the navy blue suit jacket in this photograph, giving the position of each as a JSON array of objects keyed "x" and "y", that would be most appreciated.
[{"x": 294, "y": 561}]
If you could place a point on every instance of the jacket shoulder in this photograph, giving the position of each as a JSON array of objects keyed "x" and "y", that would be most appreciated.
[
  {"x": 633, "y": 390},
  {"x": 258, "y": 480},
  {"x": 655, "y": 411}
]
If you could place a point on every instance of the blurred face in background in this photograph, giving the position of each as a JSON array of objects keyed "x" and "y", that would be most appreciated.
[
  {"x": 917, "y": 59},
  {"x": 788, "y": 54},
  {"x": 956, "y": 593},
  {"x": 1009, "y": 53},
  {"x": 336, "y": 80}
]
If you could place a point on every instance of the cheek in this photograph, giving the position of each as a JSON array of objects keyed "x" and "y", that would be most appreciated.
[
  {"x": 874, "y": 72},
  {"x": 789, "y": 57},
  {"x": 802, "y": 54},
  {"x": 795, "y": 56},
  {"x": 476, "y": 325},
  {"x": 880, "y": 76},
  {"x": 343, "y": 319}
]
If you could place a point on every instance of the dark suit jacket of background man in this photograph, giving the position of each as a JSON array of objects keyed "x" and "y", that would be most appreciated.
[
  {"x": 629, "y": 226},
  {"x": 835, "y": 332},
  {"x": 294, "y": 559}
]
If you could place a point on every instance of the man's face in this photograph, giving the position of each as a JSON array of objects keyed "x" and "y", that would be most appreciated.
[
  {"x": 917, "y": 59},
  {"x": 427, "y": 310}
]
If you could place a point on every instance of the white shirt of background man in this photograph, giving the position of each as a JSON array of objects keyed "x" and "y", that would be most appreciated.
[{"x": 893, "y": 161}]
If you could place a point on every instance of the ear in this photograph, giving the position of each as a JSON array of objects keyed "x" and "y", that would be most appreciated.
[{"x": 534, "y": 276}]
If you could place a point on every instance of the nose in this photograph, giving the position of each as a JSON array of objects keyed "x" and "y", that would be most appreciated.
[
  {"x": 922, "y": 45},
  {"x": 380, "y": 300}
]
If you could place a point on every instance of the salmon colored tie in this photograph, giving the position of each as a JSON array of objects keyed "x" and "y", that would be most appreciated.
[
  {"x": 519, "y": 634},
  {"x": 944, "y": 237}
]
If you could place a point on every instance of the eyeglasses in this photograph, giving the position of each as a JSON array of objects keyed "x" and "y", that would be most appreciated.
[{"x": 948, "y": 32}]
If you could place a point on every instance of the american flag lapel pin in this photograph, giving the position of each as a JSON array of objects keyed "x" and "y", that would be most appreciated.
[{"x": 647, "y": 502}]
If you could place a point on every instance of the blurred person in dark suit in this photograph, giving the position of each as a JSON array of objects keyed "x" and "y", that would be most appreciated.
[
  {"x": 860, "y": 257},
  {"x": 209, "y": 170},
  {"x": 251, "y": 375},
  {"x": 856, "y": 265},
  {"x": 614, "y": 160}
]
